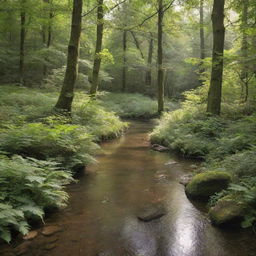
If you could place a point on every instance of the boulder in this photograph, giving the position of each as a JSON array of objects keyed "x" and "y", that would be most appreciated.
[
  {"x": 151, "y": 213},
  {"x": 206, "y": 184},
  {"x": 227, "y": 211}
]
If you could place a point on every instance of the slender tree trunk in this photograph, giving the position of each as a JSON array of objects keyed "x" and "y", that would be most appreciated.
[
  {"x": 202, "y": 41},
  {"x": 148, "y": 79},
  {"x": 47, "y": 35},
  {"x": 22, "y": 41},
  {"x": 254, "y": 47},
  {"x": 244, "y": 49},
  {"x": 97, "y": 57},
  {"x": 137, "y": 44},
  {"x": 215, "y": 91},
  {"x": 160, "y": 77},
  {"x": 49, "y": 38},
  {"x": 66, "y": 96},
  {"x": 124, "y": 74}
]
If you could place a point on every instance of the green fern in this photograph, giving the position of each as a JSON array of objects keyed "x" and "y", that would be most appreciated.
[{"x": 27, "y": 187}]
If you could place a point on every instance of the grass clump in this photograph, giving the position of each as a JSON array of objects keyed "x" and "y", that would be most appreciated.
[
  {"x": 127, "y": 105},
  {"x": 27, "y": 188}
]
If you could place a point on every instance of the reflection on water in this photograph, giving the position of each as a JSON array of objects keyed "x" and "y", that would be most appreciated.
[{"x": 101, "y": 218}]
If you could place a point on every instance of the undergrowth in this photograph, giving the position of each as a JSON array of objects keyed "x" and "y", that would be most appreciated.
[
  {"x": 129, "y": 105},
  {"x": 226, "y": 143},
  {"x": 27, "y": 188},
  {"x": 33, "y": 139}
]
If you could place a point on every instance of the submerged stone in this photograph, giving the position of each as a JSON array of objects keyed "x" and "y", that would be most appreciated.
[
  {"x": 50, "y": 230},
  {"x": 171, "y": 163},
  {"x": 31, "y": 235},
  {"x": 22, "y": 248},
  {"x": 227, "y": 211},
  {"x": 49, "y": 247},
  {"x": 159, "y": 148},
  {"x": 151, "y": 213},
  {"x": 206, "y": 184}
]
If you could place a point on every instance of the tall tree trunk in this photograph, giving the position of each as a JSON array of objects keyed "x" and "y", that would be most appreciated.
[
  {"x": 244, "y": 49},
  {"x": 202, "y": 41},
  {"x": 253, "y": 42},
  {"x": 124, "y": 74},
  {"x": 215, "y": 91},
  {"x": 66, "y": 96},
  {"x": 160, "y": 77},
  {"x": 97, "y": 57},
  {"x": 22, "y": 41},
  {"x": 47, "y": 35},
  {"x": 148, "y": 79}
]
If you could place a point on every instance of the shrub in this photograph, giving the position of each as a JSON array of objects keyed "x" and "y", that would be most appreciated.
[
  {"x": 188, "y": 131},
  {"x": 240, "y": 164},
  {"x": 71, "y": 145},
  {"x": 19, "y": 104},
  {"x": 27, "y": 188},
  {"x": 100, "y": 123},
  {"x": 238, "y": 136},
  {"x": 129, "y": 105}
]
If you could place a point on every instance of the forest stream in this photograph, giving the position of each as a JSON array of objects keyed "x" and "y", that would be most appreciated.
[{"x": 102, "y": 215}]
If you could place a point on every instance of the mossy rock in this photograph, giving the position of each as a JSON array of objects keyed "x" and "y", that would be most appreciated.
[
  {"x": 227, "y": 211},
  {"x": 206, "y": 184}
]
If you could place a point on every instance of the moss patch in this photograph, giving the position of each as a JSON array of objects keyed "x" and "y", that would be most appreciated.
[
  {"x": 207, "y": 184},
  {"x": 227, "y": 211}
]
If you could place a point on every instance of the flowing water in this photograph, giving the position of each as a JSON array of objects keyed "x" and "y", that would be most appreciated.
[{"x": 101, "y": 218}]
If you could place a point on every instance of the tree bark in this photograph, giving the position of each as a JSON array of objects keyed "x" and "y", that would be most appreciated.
[
  {"x": 244, "y": 50},
  {"x": 97, "y": 57},
  {"x": 202, "y": 41},
  {"x": 66, "y": 96},
  {"x": 160, "y": 77},
  {"x": 22, "y": 41},
  {"x": 215, "y": 91},
  {"x": 124, "y": 73},
  {"x": 47, "y": 35},
  {"x": 148, "y": 79}
]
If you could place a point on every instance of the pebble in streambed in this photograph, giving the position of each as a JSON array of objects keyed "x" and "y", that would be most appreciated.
[
  {"x": 151, "y": 213},
  {"x": 46, "y": 239}
]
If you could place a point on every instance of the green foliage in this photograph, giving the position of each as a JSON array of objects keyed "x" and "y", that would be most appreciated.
[
  {"x": 129, "y": 105},
  {"x": 20, "y": 104},
  {"x": 100, "y": 123},
  {"x": 227, "y": 143},
  {"x": 184, "y": 130},
  {"x": 27, "y": 188},
  {"x": 71, "y": 145},
  {"x": 240, "y": 164},
  {"x": 242, "y": 192},
  {"x": 56, "y": 77}
]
